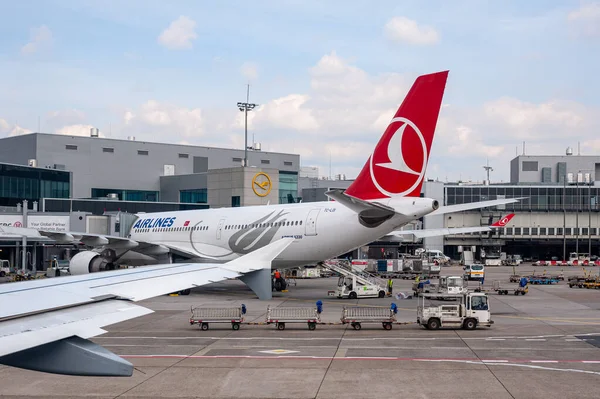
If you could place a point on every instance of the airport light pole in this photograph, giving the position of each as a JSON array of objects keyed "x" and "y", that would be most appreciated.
[
  {"x": 564, "y": 218},
  {"x": 245, "y": 107}
]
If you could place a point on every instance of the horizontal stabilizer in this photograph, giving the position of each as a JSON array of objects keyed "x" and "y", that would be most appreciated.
[
  {"x": 356, "y": 204},
  {"x": 474, "y": 205},
  {"x": 424, "y": 233}
]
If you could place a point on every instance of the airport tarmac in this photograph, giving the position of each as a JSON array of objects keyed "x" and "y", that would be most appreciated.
[{"x": 545, "y": 344}]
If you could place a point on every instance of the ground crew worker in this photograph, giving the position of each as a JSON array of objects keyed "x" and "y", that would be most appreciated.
[
  {"x": 277, "y": 274},
  {"x": 417, "y": 279},
  {"x": 390, "y": 284}
]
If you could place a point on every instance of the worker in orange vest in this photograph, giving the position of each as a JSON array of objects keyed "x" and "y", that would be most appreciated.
[{"x": 277, "y": 274}]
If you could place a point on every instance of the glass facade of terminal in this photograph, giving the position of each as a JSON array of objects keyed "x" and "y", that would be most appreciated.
[
  {"x": 98, "y": 207},
  {"x": 196, "y": 196},
  {"x": 126, "y": 195},
  {"x": 288, "y": 187},
  {"x": 21, "y": 182},
  {"x": 541, "y": 199}
]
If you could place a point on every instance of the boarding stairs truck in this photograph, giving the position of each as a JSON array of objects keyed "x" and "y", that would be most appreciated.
[
  {"x": 470, "y": 311},
  {"x": 353, "y": 285}
]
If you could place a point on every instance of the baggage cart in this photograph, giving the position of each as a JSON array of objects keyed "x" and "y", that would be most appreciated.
[
  {"x": 356, "y": 315},
  {"x": 522, "y": 288},
  {"x": 203, "y": 316},
  {"x": 282, "y": 315}
]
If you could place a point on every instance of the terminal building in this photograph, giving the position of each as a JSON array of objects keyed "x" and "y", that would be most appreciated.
[
  {"x": 139, "y": 171},
  {"x": 95, "y": 185},
  {"x": 559, "y": 215}
]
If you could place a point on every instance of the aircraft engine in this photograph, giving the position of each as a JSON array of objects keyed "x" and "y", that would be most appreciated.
[{"x": 87, "y": 262}]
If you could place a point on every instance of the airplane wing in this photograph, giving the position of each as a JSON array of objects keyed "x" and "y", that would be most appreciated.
[
  {"x": 473, "y": 205},
  {"x": 452, "y": 230},
  {"x": 45, "y": 324},
  {"x": 97, "y": 240}
]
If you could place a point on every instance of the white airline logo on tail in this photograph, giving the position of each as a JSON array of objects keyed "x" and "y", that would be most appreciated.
[{"x": 392, "y": 171}]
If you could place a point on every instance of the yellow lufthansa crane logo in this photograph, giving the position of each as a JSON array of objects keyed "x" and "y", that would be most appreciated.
[{"x": 261, "y": 184}]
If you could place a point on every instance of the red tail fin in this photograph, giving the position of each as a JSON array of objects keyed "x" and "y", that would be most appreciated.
[
  {"x": 397, "y": 165},
  {"x": 503, "y": 221}
]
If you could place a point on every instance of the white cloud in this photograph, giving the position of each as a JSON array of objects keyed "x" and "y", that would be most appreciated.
[
  {"x": 40, "y": 38},
  {"x": 61, "y": 118},
  {"x": 402, "y": 29},
  {"x": 249, "y": 70},
  {"x": 4, "y": 126},
  {"x": 465, "y": 141},
  {"x": 179, "y": 34},
  {"x": 17, "y": 130},
  {"x": 7, "y": 129},
  {"x": 282, "y": 113},
  {"x": 173, "y": 121},
  {"x": 77, "y": 130},
  {"x": 535, "y": 121},
  {"x": 586, "y": 19}
]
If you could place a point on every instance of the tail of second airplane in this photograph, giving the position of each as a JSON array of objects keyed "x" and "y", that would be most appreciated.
[
  {"x": 503, "y": 221},
  {"x": 397, "y": 165}
]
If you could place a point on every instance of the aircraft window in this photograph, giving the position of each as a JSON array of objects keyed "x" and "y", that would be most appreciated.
[{"x": 301, "y": 223}]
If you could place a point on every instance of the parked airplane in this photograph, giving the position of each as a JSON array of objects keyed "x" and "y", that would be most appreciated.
[
  {"x": 45, "y": 324},
  {"x": 384, "y": 197},
  {"x": 502, "y": 222}
]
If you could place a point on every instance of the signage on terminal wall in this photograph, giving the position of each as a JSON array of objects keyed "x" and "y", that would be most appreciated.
[
  {"x": 48, "y": 223},
  {"x": 11, "y": 220}
]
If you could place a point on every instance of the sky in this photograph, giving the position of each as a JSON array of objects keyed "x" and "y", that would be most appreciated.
[{"x": 327, "y": 75}]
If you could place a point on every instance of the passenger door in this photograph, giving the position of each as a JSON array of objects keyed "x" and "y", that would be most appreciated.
[
  {"x": 311, "y": 222},
  {"x": 219, "y": 228}
]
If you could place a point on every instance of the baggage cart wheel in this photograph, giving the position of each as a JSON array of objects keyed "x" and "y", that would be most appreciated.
[
  {"x": 204, "y": 326},
  {"x": 381, "y": 294},
  {"x": 387, "y": 326},
  {"x": 312, "y": 326},
  {"x": 469, "y": 324},
  {"x": 235, "y": 326},
  {"x": 433, "y": 324},
  {"x": 356, "y": 326},
  {"x": 516, "y": 292},
  {"x": 522, "y": 292},
  {"x": 281, "y": 326}
]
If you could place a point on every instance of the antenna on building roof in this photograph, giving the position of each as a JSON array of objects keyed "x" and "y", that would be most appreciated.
[
  {"x": 488, "y": 168},
  {"x": 578, "y": 148},
  {"x": 523, "y": 148}
]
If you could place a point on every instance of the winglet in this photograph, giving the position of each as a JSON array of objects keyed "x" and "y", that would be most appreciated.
[
  {"x": 260, "y": 258},
  {"x": 503, "y": 221}
]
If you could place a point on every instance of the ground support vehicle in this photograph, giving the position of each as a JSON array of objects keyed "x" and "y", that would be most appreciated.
[
  {"x": 4, "y": 267},
  {"x": 515, "y": 278},
  {"x": 584, "y": 282},
  {"x": 356, "y": 315},
  {"x": 470, "y": 311},
  {"x": 522, "y": 288},
  {"x": 282, "y": 315},
  {"x": 475, "y": 271},
  {"x": 203, "y": 316},
  {"x": 542, "y": 280},
  {"x": 354, "y": 287}
]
